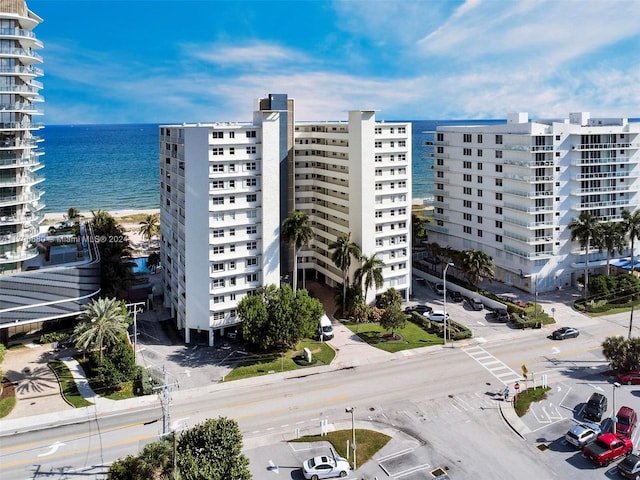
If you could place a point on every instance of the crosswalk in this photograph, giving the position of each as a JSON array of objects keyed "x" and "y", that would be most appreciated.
[{"x": 494, "y": 366}]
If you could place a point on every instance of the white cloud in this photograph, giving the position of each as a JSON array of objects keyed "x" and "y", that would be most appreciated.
[{"x": 248, "y": 56}]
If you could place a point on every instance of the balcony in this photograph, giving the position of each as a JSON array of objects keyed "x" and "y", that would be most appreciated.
[
  {"x": 604, "y": 189},
  {"x": 13, "y": 257},
  {"x": 525, "y": 194},
  {"x": 604, "y": 146},
  {"x": 529, "y": 148},
  {"x": 591, "y": 176},
  {"x": 529, "y": 225}
]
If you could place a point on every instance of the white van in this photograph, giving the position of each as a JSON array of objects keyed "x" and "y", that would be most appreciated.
[{"x": 326, "y": 329}]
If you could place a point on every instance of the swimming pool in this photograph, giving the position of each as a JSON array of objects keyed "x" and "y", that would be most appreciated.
[{"x": 140, "y": 265}]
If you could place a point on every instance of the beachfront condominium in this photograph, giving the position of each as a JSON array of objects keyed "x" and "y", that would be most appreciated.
[
  {"x": 512, "y": 189},
  {"x": 227, "y": 187},
  {"x": 19, "y": 153}
]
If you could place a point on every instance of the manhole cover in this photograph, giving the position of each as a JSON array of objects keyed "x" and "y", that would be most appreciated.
[
  {"x": 438, "y": 472},
  {"x": 542, "y": 447}
]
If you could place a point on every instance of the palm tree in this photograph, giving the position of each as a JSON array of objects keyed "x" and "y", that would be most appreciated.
[
  {"x": 73, "y": 214},
  {"x": 369, "y": 273},
  {"x": 343, "y": 251},
  {"x": 297, "y": 233},
  {"x": 477, "y": 266},
  {"x": 104, "y": 321},
  {"x": 150, "y": 227},
  {"x": 631, "y": 226},
  {"x": 611, "y": 237},
  {"x": 584, "y": 229}
]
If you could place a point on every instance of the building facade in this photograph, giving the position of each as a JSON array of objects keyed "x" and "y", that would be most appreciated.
[
  {"x": 20, "y": 205},
  {"x": 512, "y": 189},
  {"x": 226, "y": 188}
]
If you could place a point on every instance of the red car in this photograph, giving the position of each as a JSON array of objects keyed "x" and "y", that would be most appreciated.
[
  {"x": 629, "y": 378},
  {"x": 627, "y": 421}
]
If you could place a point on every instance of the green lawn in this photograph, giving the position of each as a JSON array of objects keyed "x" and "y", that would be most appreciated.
[
  {"x": 412, "y": 336},
  {"x": 368, "y": 442},
  {"x": 6, "y": 405},
  {"x": 68, "y": 385},
  {"x": 263, "y": 364}
]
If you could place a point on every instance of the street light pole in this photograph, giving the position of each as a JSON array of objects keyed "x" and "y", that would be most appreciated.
[
  {"x": 444, "y": 302},
  {"x": 135, "y": 324},
  {"x": 616, "y": 385},
  {"x": 351, "y": 410},
  {"x": 535, "y": 304}
]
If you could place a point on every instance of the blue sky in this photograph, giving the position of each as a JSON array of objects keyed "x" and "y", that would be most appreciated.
[{"x": 165, "y": 61}]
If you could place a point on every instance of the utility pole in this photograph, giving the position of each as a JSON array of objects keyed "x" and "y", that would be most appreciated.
[
  {"x": 630, "y": 323},
  {"x": 137, "y": 308},
  {"x": 164, "y": 392}
]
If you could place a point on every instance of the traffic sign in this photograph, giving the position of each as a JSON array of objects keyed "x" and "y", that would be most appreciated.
[
  {"x": 517, "y": 386},
  {"x": 524, "y": 370}
]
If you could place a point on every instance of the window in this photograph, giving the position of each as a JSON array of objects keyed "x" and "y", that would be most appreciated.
[
  {"x": 216, "y": 167},
  {"x": 479, "y": 207},
  {"x": 499, "y": 210},
  {"x": 217, "y": 151},
  {"x": 378, "y": 228},
  {"x": 498, "y": 139},
  {"x": 479, "y": 138},
  {"x": 479, "y": 179},
  {"x": 232, "y": 199},
  {"x": 378, "y": 144},
  {"x": 217, "y": 135},
  {"x": 378, "y": 214},
  {"x": 217, "y": 200},
  {"x": 498, "y": 196},
  {"x": 217, "y": 283},
  {"x": 232, "y": 151},
  {"x": 232, "y": 134},
  {"x": 479, "y": 232},
  {"x": 218, "y": 267},
  {"x": 378, "y": 158},
  {"x": 252, "y": 277},
  {"x": 499, "y": 238},
  {"x": 498, "y": 182},
  {"x": 218, "y": 299},
  {"x": 466, "y": 138},
  {"x": 402, "y": 130},
  {"x": 252, "y": 230},
  {"x": 252, "y": 261},
  {"x": 252, "y": 214},
  {"x": 251, "y": 134},
  {"x": 217, "y": 217},
  {"x": 217, "y": 184},
  {"x": 467, "y": 217},
  {"x": 498, "y": 224},
  {"x": 232, "y": 266},
  {"x": 378, "y": 130},
  {"x": 252, "y": 197},
  {"x": 466, "y": 190},
  {"x": 251, "y": 182},
  {"x": 498, "y": 168},
  {"x": 479, "y": 166},
  {"x": 466, "y": 164},
  {"x": 498, "y": 153},
  {"x": 251, "y": 150},
  {"x": 467, "y": 229},
  {"x": 402, "y": 143},
  {"x": 217, "y": 249},
  {"x": 479, "y": 153},
  {"x": 249, "y": 166},
  {"x": 466, "y": 203},
  {"x": 466, "y": 152},
  {"x": 232, "y": 232},
  {"x": 232, "y": 167},
  {"x": 217, "y": 316},
  {"x": 217, "y": 233},
  {"x": 479, "y": 192},
  {"x": 466, "y": 177},
  {"x": 402, "y": 157},
  {"x": 252, "y": 245}
]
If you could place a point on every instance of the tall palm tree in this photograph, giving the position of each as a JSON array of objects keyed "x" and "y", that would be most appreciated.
[
  {"x": 611, "y": 237},
  {"x": 297, "y": 233},
  {"x": 150, "y": 227},
  {"x": 73, "y": 214},
  {"x": 369, "y": 273},
  {"x": 477, "y": 266},
  {"x": 343, "y": 251},
  {"x": 103, "y": 321},
  {"x": 584, "y": 229},
  {"x": 631, "y": 226}
]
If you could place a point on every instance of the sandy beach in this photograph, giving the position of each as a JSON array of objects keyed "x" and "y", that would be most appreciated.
[{"x": 129, "y": 219}]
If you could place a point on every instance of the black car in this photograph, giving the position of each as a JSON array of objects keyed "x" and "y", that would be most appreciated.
[
  {"x": 455, "y": 295},
  {"x": 501, "y": 315},
  {"x": 418, "y": 308},
  {"x": 565, "y": 332},
  {"x": 595, "y": 408}
]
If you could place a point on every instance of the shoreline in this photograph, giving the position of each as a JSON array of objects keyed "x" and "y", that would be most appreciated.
[{"x": 55, "y": 217}]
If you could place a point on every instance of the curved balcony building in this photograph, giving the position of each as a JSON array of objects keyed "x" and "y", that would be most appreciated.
[{"x": 19, "y": 152}]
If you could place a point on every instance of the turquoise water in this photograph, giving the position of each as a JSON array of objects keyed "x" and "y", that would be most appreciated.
[{"x": 140, "y": 265}]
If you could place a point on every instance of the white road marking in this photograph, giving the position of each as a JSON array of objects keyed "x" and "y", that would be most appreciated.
[{"x": 53, "y": 448}]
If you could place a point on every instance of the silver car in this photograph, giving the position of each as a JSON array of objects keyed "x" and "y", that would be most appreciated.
[
  {"x": 325, "y": 466},
  {"x": 582, "y": 434}
]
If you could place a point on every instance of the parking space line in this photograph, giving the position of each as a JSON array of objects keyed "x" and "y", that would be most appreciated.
[{"x": 394, "y": 455}]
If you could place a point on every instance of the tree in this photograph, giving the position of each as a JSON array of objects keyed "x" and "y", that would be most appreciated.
[
  {"x": 369, "y": 273},
  {"x": 418, "y": 230},
  {"x": 390, "y": 298},
  {"x": 150, "y": 227},
  {"x": 476, "y": 266},
  {"x": 212, "y": 450},
  {"x": 631, "y": 226},
  {"x": 297, "y": 233},
  {"x": 115, "y": 254},
  {"x": 584, "y": 229},
  {"x": 73, "y": 215},
  {"x": 102, "y": 323},
  {"x": 611, "y": 237},
  {"x": 278, "y": 316},
  {"x": 155, "y": 462},
  {"x": 344, "y": 250},
  {"x": 615, "y": 350},
  {"x": 153, "y": 261},
  {"x": 393, "y": 318}
]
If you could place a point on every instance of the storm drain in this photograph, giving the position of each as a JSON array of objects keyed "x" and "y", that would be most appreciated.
[
  {"x": 438, "y": 472},
  {"x": 542, "y": 447}
]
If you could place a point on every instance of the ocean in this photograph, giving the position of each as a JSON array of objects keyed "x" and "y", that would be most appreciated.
[{"x": 115, "y": 167}]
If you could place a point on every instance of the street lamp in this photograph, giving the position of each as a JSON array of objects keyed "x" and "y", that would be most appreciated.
[
  {"x": 136, "y": 310},
  {"x": 535, "y": 279},
  {"x": 353, "y": 431},
  {"x": 616, "y": 385},
  {"x": 444, "y": 301}
]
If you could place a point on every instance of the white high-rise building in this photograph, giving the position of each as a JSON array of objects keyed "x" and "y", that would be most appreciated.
[
  {"x": 226, "y": 188},
  {"x": 19, "y": 154},
  {"x": 512, "y": 189}
]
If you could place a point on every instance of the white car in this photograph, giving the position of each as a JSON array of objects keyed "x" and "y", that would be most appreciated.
[
  {"x": 436, "y": 316},
  {"x": 325, "y": 466},
  {"x": 582, "y": 434}
]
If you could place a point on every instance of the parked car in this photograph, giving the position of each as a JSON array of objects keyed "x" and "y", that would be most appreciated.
[
  {"x": 326, "y": 328},
  {"x": 436, "y": 316},
  {"x": 595, "y": 408},
  {"x": 500, "y": 315},
  {"x": 565, "y": 332},
  {"x": 627, "y": 421},
  {"x": 582, "y": 434},
  {"x": 629, "y": 378},
  {"x": 455, "y": 295},
  {"x": 418, "y": 308},
  {"x": 439, "y": 288},
  {"x": 607, "y": 448},
  {"x": 476, "y": 303},
  {"x": 325, "y": 466},
  {"x": 630, "y": 467}
]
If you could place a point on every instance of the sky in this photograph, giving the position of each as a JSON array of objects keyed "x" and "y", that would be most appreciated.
[{"x": 170, "y": 61}]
